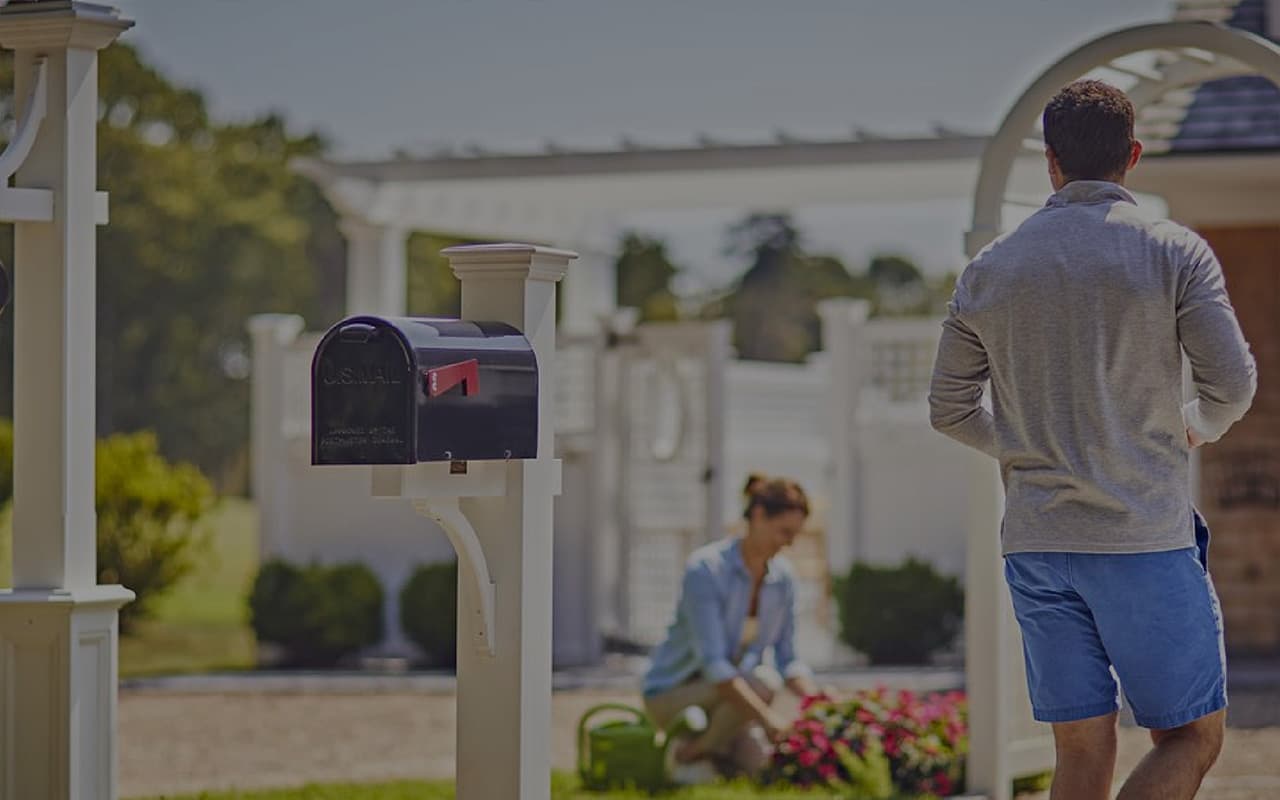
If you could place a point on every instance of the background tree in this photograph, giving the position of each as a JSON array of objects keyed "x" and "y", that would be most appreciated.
[
  {"x": 774, "y": 304},
  {"x": 898, "y": 287},
  {"x": 644, "y": 272},
  {"x": 893, "y": 270},
  {"x": 433, "y": 291}
]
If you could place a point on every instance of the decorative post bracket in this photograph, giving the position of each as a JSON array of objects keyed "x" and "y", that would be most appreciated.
[
  {"x": 474, "y": 569},
  {"x": 435, "y": 489},
  {"x": 25, "y": 204}
]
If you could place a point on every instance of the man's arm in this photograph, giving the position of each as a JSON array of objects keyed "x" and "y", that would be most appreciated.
[
  {"x": 1222, "y": 368},
  {"x": 955, "y": 393}
]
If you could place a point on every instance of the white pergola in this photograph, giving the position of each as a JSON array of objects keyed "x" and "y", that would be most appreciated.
[{"x": 581, "y": 199}]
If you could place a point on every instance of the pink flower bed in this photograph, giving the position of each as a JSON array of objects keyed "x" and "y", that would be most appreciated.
[{"x": 879, "y": 742}]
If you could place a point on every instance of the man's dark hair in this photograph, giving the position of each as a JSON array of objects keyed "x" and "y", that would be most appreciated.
[{"x": 1089, "y": 127}]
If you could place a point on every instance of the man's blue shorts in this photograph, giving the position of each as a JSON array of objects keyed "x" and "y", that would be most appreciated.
[{"x": 1154, "y": 617}]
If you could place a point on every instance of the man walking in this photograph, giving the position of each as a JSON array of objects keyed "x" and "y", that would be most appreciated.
[{"x": 1079, "y": 319}]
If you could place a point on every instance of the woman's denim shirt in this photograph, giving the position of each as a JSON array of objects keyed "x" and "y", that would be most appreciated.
[{"x": 715, "y": 597}]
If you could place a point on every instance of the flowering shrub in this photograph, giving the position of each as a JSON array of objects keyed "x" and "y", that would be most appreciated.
[{"x": 876, "y": 744}]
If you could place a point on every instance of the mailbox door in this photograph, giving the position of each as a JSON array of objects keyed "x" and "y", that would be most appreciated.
[{"x": 363, "y": 396}]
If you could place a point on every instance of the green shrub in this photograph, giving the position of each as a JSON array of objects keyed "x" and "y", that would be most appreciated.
[
  {"x": 898, "y": 615},
  {"x": 1037, "y": 782},
  {"x": 429, "y": 612},
  {"x": 149, "y": 514},
  {"x": 317, "y": 614},
  {"x": 275, "y": 603},
  {"x": 6, "y": 461}
]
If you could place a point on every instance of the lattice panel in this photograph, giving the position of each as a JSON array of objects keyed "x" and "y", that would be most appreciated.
[
  {"x": 667, "y": 445},
  {"x": 657, "y": 559},
  {"x": 574, "y": 401},
  {"x": 902, "y": 369}
]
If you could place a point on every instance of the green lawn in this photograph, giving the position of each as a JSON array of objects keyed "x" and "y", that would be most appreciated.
[
  {"x": 202, "y": 625},
  {"x": 563, "y": 787}
]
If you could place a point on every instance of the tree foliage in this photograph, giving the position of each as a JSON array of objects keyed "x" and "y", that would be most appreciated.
[
  {"x": 644, "y": 272},
  {"x": 774, "y": 304},
  {"x": 433, "y": 289},
  {"x": 208, "y": 226}
]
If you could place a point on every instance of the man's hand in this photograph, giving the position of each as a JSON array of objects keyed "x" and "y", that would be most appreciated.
[{"x": 1193, "y": 439}]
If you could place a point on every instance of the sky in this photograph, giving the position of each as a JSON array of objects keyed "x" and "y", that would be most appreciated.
[{"x": 378, "y": 75}]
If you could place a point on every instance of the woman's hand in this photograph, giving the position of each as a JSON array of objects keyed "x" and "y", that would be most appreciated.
[
  {"x": 689, "y": 750},
  {"x": 835, "y": 695},
  {"x": 775, "y": 727}
]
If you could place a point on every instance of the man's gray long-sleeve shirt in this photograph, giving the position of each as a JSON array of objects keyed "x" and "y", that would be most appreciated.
[{"x": 1079, "y": 320}]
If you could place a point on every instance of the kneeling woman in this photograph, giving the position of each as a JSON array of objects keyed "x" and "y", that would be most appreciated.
[{"x": 737, "y": 601}]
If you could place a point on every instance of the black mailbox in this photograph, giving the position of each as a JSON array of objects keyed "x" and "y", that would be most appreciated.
[{"x": 405, "y": 390}]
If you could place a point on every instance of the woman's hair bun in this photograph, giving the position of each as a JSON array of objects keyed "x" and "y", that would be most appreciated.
[{"x": 774, "y": 495}]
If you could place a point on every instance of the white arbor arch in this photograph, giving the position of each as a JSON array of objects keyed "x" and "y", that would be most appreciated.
[
  {"x": 1150, "y": 61},
  {"x": 1185, "y": 54}
]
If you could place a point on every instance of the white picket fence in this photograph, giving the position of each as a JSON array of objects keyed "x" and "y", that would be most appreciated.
[{"x": 658, "y": 436}]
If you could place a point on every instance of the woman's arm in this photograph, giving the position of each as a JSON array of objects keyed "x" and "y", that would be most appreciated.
[
  {"x": 803, "y": 686},
  {"x": 706, "y": 617},
  {"x": 797, "y": 674},
  {"x": 739, "y": 692}
]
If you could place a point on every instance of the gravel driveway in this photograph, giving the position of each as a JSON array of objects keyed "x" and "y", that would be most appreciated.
[{"x": 179, "y": 743}]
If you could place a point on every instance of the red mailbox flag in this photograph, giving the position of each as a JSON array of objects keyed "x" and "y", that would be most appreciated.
[{"x": 442, "y": 379}]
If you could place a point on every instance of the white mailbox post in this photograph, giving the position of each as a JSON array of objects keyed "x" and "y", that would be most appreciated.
[{"x": 498, "y": 515}]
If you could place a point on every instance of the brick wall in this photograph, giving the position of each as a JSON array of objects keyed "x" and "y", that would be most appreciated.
[{"x": 1240, "y": 477}]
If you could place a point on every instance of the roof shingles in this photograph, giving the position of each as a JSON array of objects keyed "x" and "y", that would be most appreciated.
[{"x": 1237, "y": 113}]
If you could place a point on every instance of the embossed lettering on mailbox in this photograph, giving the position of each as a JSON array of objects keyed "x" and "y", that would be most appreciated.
[{"x": 364, "y": 401}]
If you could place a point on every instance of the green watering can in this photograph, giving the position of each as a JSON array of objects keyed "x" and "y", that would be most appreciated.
[{"x": 630, "y": 752}]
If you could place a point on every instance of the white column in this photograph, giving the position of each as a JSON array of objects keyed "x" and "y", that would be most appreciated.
[
  {"x": 375, "y": 267},
  {"x": 987, "y": 632},
  {"x": 504, "y": 699},
  {"x": 58, "y": 630},
  {"x": 715, "y": 362},
  {"x": 271, "y": 334},
  {"x": 1005, "y": 741},
  {"x": 591, "y": 292},
  {"x": 842, "y": 319}
]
